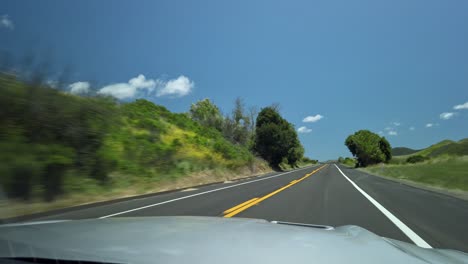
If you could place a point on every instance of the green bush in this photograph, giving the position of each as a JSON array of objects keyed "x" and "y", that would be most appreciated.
[
  {"x": 349, "y": 162},
  {"x": 416, "y": 159}
]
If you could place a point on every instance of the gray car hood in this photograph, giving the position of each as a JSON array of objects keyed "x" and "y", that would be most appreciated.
[{"x": 208, "y": 240}]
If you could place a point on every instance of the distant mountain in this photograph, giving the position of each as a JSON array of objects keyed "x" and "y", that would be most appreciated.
[
  {"x": 399, "y": 151},
  {"x": 444, "y": 147}
]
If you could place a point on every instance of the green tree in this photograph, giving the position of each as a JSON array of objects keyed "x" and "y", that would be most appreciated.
[
  {"x": 228, "y": 128},
  {"x": 295, "y": 154},
  {"x": 276, "y": 139},
  {"x": 207, "y": 114},
  {"x": 369, "y": 148},
  {"x": 386, "y": 149},
  {"x": 241, "y": 120}
]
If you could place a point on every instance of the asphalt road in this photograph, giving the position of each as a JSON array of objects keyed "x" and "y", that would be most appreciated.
[{"x": 323, "y": 194}]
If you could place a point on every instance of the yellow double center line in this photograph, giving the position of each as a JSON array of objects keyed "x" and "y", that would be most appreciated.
[{"x": 247, "y": 204}]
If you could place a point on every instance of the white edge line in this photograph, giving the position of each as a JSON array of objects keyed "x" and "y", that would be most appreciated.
[
  {"x": 404, "y": 228},
  {"x": 197, "y": 194}
]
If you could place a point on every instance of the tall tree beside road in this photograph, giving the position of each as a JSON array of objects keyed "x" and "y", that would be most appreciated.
[
  {"x": 369, "y": 148},
  {"x": 207, "y": 114},
  {"x": 235, "y": 127},
  {"x": 241, "y": 121},
  {"x": 276, "y": 139}
]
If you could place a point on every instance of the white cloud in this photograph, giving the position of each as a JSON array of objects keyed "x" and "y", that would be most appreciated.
[
  {"x": 461, "y": 106},
  {"x": 380, "y": 132},
  {"x": 311, "y": 119},
  {"x": 142, "y": 87},
  {"x": 392, "y": 133},
  {"x": 52, "y": 83},
  {"x": 176, "y": 88},
  {"x": 388, "y": 128},
  {"x": 137, "y": 85},
  {"x": 6, "y": 22},
  {"x": 396, "y": 123},
  {"x": 79, "y": 88},
  {"x": 304, "y": 129},
  {"x": 412, "y": 128},
  {"x": 140, "y": 82},
  {"x": 429, "y": 125},
  {"x": 447, "y": 115}
]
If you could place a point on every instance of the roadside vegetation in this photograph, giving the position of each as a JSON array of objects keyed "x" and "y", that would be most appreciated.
[
  {"x": 368, "y": 148},
  {"x": 444, "y": 165},
  {"x": 65, "y": 149},
  {"x": 449, "y": 172},
  {"x": 350, "y": 162}
]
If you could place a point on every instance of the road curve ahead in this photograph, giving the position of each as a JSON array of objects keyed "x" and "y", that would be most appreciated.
[{"x": 326, "y": 194}]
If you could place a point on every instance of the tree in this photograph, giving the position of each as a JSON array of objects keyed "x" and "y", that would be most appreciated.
[
  {"x": 369, "y": 148},
  {"x": 386, "y": 149},
  {"x": 253, "y": 112},
  {"x": 228, "y": 128},
  {"x": 238, "y": 112},
  {"x": 294, "y": 155},
  {"x": 207, "y": 114},
  {"x": 241, "y": 132},
  {"x": 276, "y": 139}
]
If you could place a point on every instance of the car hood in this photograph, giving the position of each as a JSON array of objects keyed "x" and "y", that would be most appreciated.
[{"x": 184, "y": 239}]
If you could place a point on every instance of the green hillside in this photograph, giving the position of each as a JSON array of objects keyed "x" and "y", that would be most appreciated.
[
  {"x": 444, "y": 165},
  {"x": 445, "y": 172},
  {"x": 446, "y": 147},
  {"x": 54, "y": 144},
  {"x": 400, "y": 151}
]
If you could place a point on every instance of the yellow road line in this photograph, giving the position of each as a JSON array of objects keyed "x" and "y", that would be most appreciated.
[
  {"x": 239, "y": 205},
  {"x": 245, "y": 205}
]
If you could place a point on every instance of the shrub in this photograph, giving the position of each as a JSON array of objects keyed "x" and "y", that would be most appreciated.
[{"x": 416, "y": 159}]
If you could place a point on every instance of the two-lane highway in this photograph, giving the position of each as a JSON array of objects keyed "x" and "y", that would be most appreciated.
[{"x": 323, "y": 194}]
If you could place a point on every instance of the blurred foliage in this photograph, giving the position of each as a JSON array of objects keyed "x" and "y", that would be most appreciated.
[
  {"x": 416, "y": 159},
  {"x": 207, "y": 114},
  {"x": 53, "y": 143},
  {"x": 347, "y": 161},
  {"x": 308, "y": 160},
  {"x": 368, "y": 148}
]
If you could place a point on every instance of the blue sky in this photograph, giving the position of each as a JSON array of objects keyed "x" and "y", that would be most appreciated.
[{"x": 381, "y": 65}]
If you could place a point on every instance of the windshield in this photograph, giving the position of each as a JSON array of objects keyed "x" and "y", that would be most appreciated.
[{"x": 310, "y": 114}]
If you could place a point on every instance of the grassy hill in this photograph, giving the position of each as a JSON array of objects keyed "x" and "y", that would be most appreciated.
[
  {"x": 444, "y": 165},
  {"x": 446, "y": 147},
  {"x": 400, "y": 151},
  {"x": 450, "y": 172},
  {"x": 443, "y": 148},
  {"x": 54, "y": 144}
]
